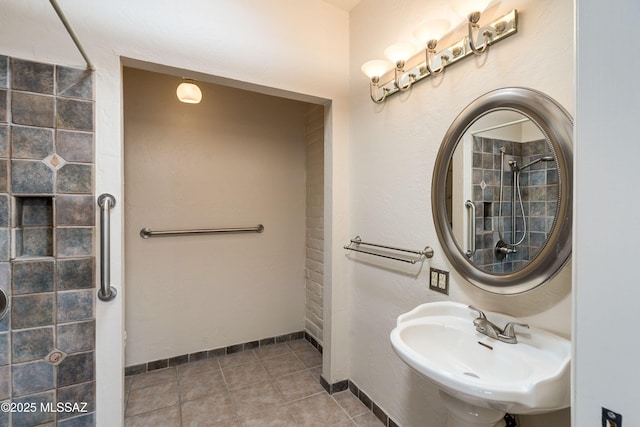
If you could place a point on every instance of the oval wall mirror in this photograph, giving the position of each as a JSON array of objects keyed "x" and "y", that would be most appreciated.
[{"x": 502, "y": 190}]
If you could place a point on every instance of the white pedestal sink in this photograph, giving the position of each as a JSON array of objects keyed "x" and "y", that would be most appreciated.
[{"x": 481, "y": 378}]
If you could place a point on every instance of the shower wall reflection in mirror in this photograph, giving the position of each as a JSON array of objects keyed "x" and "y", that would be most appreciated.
[{"x": 505, "y": 166}]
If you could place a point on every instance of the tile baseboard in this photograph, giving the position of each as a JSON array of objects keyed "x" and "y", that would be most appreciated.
[
  {"x": 362, "y": 396},
  {"x": 207, "y": 354}
]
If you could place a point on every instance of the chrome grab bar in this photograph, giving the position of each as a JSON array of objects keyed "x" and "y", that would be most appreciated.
[
  {"x": 106, "y": 291},
  {"x": 472, "y": 228},
  {"x": 427, "y": 251},
  {"x": 145, "y": 233}
]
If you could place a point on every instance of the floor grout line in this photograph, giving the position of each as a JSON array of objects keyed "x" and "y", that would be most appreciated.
[{"x": 181, "y": 382}]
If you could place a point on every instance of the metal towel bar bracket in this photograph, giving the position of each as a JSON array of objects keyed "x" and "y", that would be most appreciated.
[
  {"x": 106, "y": 292},
  {"x": 355, "y": 243},
  {"x": 145, "y": 233}
]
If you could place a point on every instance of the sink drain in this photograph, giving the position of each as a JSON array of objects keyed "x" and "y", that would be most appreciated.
[{"x": 471, "y": 374}]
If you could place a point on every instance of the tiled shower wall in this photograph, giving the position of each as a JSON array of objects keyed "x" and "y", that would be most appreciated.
[
  {"x": 314, "y": 135},
  {"x": 47, "y": 264},
  {"x": 539, "y": 191}
]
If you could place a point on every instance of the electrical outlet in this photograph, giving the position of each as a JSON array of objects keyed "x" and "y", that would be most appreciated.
[
  {"x": 439, "y": 281},
  {"x": 443, "y": 281},
  {"x": 611, "y": 419}
]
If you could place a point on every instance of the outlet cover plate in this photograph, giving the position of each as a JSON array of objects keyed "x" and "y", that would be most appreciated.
[
  {"x": 439, "y": 281},
  {"x": 610, "y": 418}
]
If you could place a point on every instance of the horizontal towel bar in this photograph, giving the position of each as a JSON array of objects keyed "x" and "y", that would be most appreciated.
[
  {"x": 145, "y": 233},
  {"x": 427, "y": 251}
]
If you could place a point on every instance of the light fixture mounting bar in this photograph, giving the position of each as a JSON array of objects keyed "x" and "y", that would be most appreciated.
[{"x": 499, "y": 29}]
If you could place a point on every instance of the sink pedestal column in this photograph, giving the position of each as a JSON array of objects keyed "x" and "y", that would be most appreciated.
[{"x": 463, "y": 414}]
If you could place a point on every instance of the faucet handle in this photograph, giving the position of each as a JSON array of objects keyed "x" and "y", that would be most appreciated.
[
  {"x": 480, "y": 312},
  {"x": 509, "y": 332}
]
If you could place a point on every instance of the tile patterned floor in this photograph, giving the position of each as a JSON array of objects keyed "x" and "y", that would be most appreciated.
[{"x": 276, "y": 385}]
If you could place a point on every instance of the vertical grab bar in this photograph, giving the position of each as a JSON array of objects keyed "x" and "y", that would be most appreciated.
[
  {"x": 106, "y": 291},
  {"x": 471, "y": 207}
]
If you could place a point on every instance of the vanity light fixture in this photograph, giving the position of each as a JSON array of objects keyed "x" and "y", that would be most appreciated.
[
  {"x": 429, "y": 32},
  {"x": 399, "y": 53},
  {"x": 189, "y": 92},
  {"x": 374, "y": 69},
  {"x": 473, "y": 9},
  {"x": 408, "y": 67}
]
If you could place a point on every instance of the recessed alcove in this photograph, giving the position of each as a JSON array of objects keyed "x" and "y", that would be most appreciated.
[{"x": 32, "y": 227}]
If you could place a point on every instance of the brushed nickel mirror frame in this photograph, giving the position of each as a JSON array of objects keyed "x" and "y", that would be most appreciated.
[{"x": 557, "y": 126}]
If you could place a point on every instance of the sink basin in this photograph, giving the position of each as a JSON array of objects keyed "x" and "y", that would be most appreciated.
[{"x": 439, "y": 341}]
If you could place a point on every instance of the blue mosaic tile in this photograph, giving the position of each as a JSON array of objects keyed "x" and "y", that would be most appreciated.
[
  {"x": 4, "y": 416},
  {"x": 4, "y": 67},
  {"x": 4, "y": 245},
  {"x": 76, "y": 368},
  {"x": 4, "y": 349},
  {"x": 75, "y": 146},
  {"x": 31, "y": 177},
  {"x": 74, "y": 241},
  {"x": 4, "y": 140},
  {"x": 33, "y": 276},
  {"x": 4, "y": 176},
  {"x": 31, "y": 143},
  {"x": 34, "y": 211},
  {"x": 87, "y": 420},
  {"x": 32, "y": 110},
  {"x": 74, "y": 82},
  {"x": 31, "y": 419},
  {"x": 4, "y": 211},
  {"x": 5, "y": 384},
  {"x": 3, "y": 106},
  {"x": 75, "y": 210},
  {"x": 31, "y": 344},
  {"x": 37, "y": 241},
  {"x": 75, "y": 273},
  {"x": 75, "y": 305},
  {"x": 84, "y": 393},
  {"x": 29, "y": 378},
  {"x": 72, "y": 114},
  {"x": 75, "y": 178},
  {"x": 76, "y": 337},
  {"x": 28, "y": 311},
  {"x": 31, "y": 76}
]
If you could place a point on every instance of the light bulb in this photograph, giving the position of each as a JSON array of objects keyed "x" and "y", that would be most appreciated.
[
  {"x": 432, "y": 30},
  {"x": 188, "y": 92},
  {"x": 466, "y": 7},
  {"x": 375, "y": 68},
  {"x": 400, "y": 52}
]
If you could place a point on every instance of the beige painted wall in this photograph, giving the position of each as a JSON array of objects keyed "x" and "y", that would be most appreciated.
[{"x": 235, "y": 159}]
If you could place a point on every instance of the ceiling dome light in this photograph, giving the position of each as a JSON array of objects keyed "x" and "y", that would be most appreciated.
[{"x": 188, "y": 92}]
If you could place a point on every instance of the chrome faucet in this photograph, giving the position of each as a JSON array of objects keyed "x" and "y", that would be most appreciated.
[{"x": 488, "y": 328}]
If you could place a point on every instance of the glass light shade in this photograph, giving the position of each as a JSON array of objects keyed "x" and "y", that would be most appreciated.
[
  {"x": 189, "y": 93},
  {"x": 400, "y": 51},
  {"x": 375, "y": 68},
  {"x": 465, "y": 7},
  {"x": 432, "y": 30}
]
